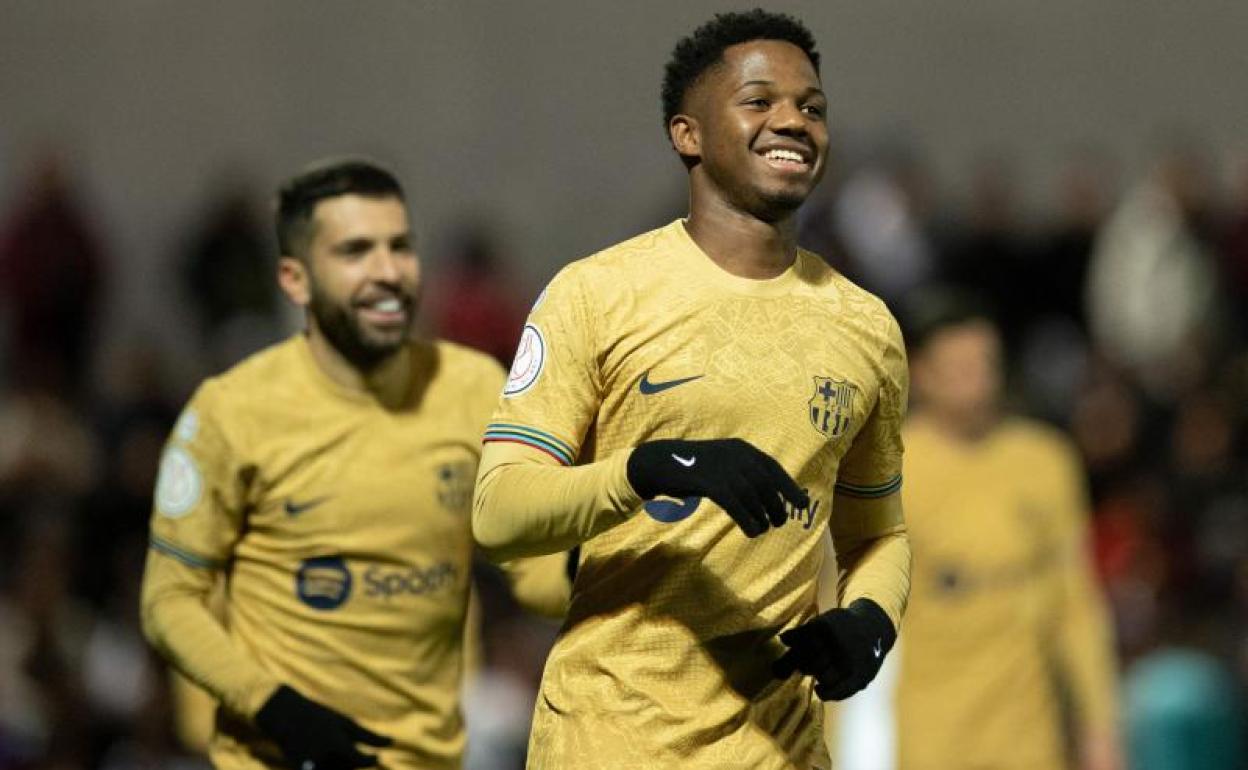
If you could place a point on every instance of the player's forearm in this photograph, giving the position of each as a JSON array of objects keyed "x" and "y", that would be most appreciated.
[
  {"x": 878, "y": 569},
  {"x": 1087, "y": 654},
  {"x": 178, "y": 623},
  {"x": 526, "y": 507}
]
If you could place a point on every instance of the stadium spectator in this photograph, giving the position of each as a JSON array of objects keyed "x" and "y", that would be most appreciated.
[
  {"x": 52, "y": 271},
  {"x": 476, "y": 304}
]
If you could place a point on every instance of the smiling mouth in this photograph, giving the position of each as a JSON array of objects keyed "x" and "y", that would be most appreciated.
[
  {"x": 385, "y": 311},
  {"x": 786, "y": 160}
]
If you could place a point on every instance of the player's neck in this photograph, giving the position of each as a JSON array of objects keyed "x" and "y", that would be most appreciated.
[
  {"x": 741, "y": 244},
  {"x": 388, "y": 381}
]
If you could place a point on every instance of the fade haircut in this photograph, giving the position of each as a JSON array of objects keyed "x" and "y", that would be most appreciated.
[
  {"x": 298, "y": 197},
  {"x": 703, "y": 49}
]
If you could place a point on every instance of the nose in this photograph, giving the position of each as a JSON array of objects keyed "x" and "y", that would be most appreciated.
[
  {"x": 384, "y": 266},
  {"x": 788, "y": 119}
]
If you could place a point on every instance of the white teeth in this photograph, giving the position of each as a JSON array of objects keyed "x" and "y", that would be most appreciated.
[
  {"x": 390, "y": 305},
  {"x": 784, "y": 155}
]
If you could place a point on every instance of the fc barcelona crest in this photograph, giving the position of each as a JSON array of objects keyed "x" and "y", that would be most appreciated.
[{"x": 832, "y": 406}]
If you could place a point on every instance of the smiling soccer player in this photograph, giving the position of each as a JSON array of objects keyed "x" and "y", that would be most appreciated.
[
  {"x": 327, "y": 479},
  {"x": 698, "y": 407}
]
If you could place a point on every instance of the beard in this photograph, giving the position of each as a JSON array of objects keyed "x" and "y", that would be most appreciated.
[{"x": 365, "y": 349}]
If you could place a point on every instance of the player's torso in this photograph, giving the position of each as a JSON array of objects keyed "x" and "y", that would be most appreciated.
[
  {"x": 980, "y": 622},
  {"x": 350, "y": 580},
  {"x": 360, "y": 521},
  {"x": 676, "y": 605}
]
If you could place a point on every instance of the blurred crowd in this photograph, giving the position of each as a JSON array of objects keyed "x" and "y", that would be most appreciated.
[{"x": 1124, "y": 303}]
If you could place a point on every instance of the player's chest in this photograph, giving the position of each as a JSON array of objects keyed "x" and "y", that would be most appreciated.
[
  {"x": 732, "y": 365},
  {"x": 388, "y": 490},
  {"x": 976, "y": 528}
]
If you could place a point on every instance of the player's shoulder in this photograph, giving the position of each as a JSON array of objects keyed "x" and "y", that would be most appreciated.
[
  {"x": 460, "y": 361},
  {"x": 266, "y": 370},
  {"x": 855, "y": 307},
  {"x": 1040, "y": 441}
]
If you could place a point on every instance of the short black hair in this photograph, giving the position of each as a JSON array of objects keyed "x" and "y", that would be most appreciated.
[
  {"x": 937, "y": 308},
  {"x": 703, "y": 49},
  {"x": 298, "y": 196}
]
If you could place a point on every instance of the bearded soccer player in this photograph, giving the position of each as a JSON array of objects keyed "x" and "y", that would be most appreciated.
[
  {"x": 698, "y": 407},
  {"x": 1008, "y": 644},
  {"x": 328, "y": 479}
]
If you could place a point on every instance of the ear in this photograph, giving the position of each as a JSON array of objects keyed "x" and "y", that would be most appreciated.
[
  {"x": 292, "y": 276},
  {"x": 686, "y": 135}
]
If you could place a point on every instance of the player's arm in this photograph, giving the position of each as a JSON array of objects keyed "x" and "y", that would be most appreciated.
[
  {"x": 532, "y": 498},
  {"x": 845, "y": 647},
  {"x": 1085, "y": 638},
  {"x": 540, "y": 584},
  {"x": 195, "y": 523},
  {"x": 197, "y": 519}
]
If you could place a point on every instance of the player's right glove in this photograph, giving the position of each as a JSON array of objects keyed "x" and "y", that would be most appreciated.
[
  {"x": 315, "y": 737},
  {"x": 747, "y": 483}
]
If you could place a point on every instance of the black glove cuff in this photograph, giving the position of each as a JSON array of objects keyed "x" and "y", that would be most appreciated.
[
  {"x": 282, "y": 706},
  {"x": 879, "y": 622},
  {"x": 643, "y": 464}
]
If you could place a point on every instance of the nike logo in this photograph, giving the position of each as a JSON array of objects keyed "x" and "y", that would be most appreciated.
[
  {"x": 294, "y": 509},
  {"x": 649, "y": 388},
  {"x": 879, "y": 648},
  {"x": 688, "y": 463}
]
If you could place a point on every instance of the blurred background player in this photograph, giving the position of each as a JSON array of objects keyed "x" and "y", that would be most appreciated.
[
  {"x": 647, "y": 368},
  {"x": 1007, "y": 641},
  {"x": 327, "y": 479}
]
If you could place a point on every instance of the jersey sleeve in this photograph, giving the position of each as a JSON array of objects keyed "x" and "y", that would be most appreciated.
[
  {"x": 197, "y": 518},
  {"x": 526, "y": 502},
  {"x": 1085, "y": 638},
  {"x": 868, "y": 529},
  {"x": 541, "y": 584},
  {"x": 553, "y": 390},
  {"x": 200, "y": 489}
]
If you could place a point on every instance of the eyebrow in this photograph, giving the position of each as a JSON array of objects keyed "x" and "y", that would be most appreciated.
[{"x": 812, "y": 91}]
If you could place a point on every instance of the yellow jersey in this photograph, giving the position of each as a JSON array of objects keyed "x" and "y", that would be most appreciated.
[
  {"x": 342, "y": 527},
  {"x": 1006, "y": 622},
  {"x": 665, "y": 657}
]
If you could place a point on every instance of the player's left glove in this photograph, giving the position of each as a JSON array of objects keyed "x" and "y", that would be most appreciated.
[
  {"x": 842, "y": 649},
  {"x": 315, "y": 737}
]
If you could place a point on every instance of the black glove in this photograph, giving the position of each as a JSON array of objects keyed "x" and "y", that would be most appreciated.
[
  {"x": 314, "y": 737},
  {"x": 748, "y": 484},
  {"x": 842, "y": 649}
]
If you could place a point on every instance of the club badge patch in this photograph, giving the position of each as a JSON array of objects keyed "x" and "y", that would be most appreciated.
[
  {"x": 178, "y": 484},
  {"x": 527, "y": 366},
  {"x": 455, "y": 480},
  {"x": 187, "y": 427},
  {"x": 832, "y": 406}
]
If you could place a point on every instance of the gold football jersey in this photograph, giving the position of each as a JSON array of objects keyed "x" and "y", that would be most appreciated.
[
  {"x": 1006, "y": 623},
  {"x": 664, "y": 659},
  {"x": 343, "y": 529}
]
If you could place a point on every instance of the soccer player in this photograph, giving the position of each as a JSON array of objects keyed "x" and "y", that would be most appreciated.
[
  {"x": 328, "y": 480},
  {"x": 698, "y": 407},
  {"x": 1007, "y": 640}
]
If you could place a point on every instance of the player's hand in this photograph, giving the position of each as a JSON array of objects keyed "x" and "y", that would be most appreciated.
[
  {"x": 842, "y": 649},
  {"x": 750, "y": 485},
  {"x": 315, "y": 737}
]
